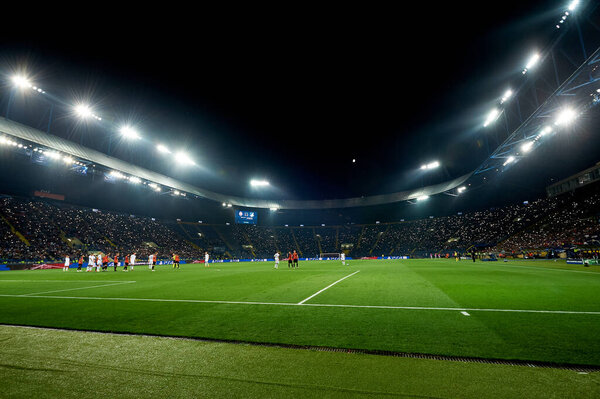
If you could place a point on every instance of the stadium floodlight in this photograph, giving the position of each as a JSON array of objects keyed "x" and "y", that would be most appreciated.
[
  {"x": 573, "y": 5},
  {"x": 68, "y": 160},
  {"x": 526, "y": 147},
  {"x": 163, "y": 149},
  {"x": 185, "y": 158},
  {"x": 508, "y": 160},
  {"x": 461, "y": 189},
  {"x": 129, "y": 133},
  {"x": 134, "y": 179},
  {"x": 21, "y": 81},
  {"x": 422, "y": 197},
  {"x": 259, "y": 183},
  {"x": 274, "y": 208},
  {"x": 545, "y": 131},
  {"x": 430, "y": 165},
  {"x": 565, "y": 117},
  {"x": 83, "y": 111},
  {"x": 116, "y": 174},
  {"x": 492, "y": 116},
  {"x": 533, "y": 60},
  {"x": 507, "y": 94}
]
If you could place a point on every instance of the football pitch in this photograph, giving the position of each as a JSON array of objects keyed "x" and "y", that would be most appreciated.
[{"x": 533, "y": 311}]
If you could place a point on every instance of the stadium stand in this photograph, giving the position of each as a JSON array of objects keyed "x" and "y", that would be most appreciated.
[{"x": 34, "y": 230}]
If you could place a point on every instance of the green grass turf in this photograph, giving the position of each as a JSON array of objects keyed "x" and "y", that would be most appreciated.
[
  {"x": 58, "y": 299},
  {"x": 40, "y": 363}
]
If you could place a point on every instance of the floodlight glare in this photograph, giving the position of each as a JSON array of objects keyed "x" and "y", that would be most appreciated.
[
  {"x": 68, "y": 160},
  {"x": 526, "y": 147},
  {"x": 545, "y": 131},
  {"x": 508, "y": 94},
  {"x": 83, "y": 111},
  {"x": 422, "y": 197},
  {"x": 573, "y": 5},
  {"x": 274, "y": 208},
  {"x": 565, "y": 117},
  {"x": 461, "y": 189},
  {"x": 163, "y": 149},
  {"x": 532, "y": 61},
  {"x": 129, "y": 132},
  {"x": 509, "y": 160},
  {"x": 492, "y": 116},
  {"x": 185, "y": 158},
  {"x": 135, "y": 179},
  {"x": 430, "y": 165},
  {"x": 259, "y": 183},
  {"x": 20, "y": 81}
]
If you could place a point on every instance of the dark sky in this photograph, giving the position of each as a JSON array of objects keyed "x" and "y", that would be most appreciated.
[{"x": 292, "y": 94}]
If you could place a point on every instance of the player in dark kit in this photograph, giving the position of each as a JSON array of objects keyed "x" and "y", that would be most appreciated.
[
  {"x": 289, "y": 259},
  {"x": 116, "y": 261},
  {"x": 295, "y": 257}
]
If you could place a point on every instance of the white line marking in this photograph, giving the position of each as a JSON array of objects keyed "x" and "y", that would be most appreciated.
[
  {"x": 306, "y": 304},
  {"x": 79, "y": 288},
  {"x": 64, "y": 281},
  {"x": 465, "y": 313},
  {"x": 329, "y": 286}
]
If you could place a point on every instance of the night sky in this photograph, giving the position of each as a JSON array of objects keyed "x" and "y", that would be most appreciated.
[{"x": 290, "y": 94}]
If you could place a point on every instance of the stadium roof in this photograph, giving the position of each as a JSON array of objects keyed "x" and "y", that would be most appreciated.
[{"x": 78, "y": 151}]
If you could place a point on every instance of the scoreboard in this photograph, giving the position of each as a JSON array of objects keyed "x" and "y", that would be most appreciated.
[{"x": 245, "y": 217}]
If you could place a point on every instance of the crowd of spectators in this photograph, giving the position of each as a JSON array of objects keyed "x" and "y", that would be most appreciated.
[{"x": 36, "y": 230}]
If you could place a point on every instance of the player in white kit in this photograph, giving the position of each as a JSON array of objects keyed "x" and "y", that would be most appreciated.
[
  {"x": 150, "y": 258},
  {"x": 276, "y": 260},
  {"x": 98, "y": 263},
  {"x": 206, "y": 257},
  {"x": 132, "y": 261},
  {"x": 343, "y": 258},
  {"x": 67, "y": 263},
  {"x": 90, "y": 265}
]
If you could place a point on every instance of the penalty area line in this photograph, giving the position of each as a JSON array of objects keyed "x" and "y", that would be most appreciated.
[
  {"x": 316, "y": 305},
  {"x": 329, "y": 286}
]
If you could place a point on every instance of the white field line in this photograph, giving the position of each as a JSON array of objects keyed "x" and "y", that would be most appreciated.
[
  {"x": 63, "y": 281},
  {"x": 308, "y": 304},
  {"x": 79, "y": 288},
  {"x": 329, "y": 286}
]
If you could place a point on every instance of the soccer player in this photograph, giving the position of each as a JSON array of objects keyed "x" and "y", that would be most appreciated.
[
  {"x": 132, "y": 261},
  {"x": 79, "y": 263},
  {"x": 154, "y": 258},
  {"x": 206, "y": 257},
  {"x": 105, "y": 262},
  {"x": 91, "y": 262},
  {"x": 98, "y": 262},
  {"x": 456, "y": 256},
  {"x": 126, "y": 260},
  {"x": 150, "y": 258},
  {"x": 276, "y": 260},
  {"x": 116, "y": 261},
  {"x": 295, "y": 257},
  {"x": 175, "y": 261},
  {"x": 289, "y": 258},
  {"x": 67, "y": 263},
  {"x": 343, "y": 258}
]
